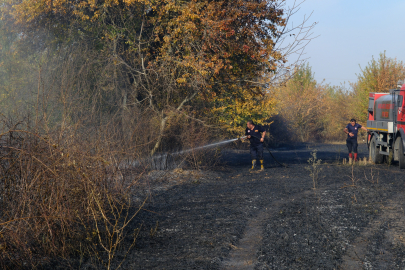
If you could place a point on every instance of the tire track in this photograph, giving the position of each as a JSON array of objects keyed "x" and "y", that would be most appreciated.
[
  {"x": 367, "y": 253},
  {"x": 244, "y": 256}
]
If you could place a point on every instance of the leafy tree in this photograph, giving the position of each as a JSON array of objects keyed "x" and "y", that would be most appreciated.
[
  {"x": 337, "y": 112},
  {"x": 161, "y": 55},
  {"x": 233, "y": 114},
  {"x": 302, "y": 102}
]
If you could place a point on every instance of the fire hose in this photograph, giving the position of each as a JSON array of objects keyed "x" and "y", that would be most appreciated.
[{"x": 271, "y": 154}]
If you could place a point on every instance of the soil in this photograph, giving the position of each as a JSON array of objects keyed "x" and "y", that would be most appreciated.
[{"x": 340, "y": 217}]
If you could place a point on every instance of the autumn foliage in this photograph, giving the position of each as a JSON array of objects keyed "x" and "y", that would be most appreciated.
[
  {"x": 92, "y": 84},
  {"x": 314, "y": 111},
  {"x": 100, "y": 82},
  {"x": 219, "y": 42}
]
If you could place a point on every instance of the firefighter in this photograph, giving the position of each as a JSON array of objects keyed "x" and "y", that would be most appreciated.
[
  {"x": 351, "y": 130},
  {"x": 255, "y": 134}
]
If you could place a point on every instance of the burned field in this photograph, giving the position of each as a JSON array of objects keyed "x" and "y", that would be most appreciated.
[{"x": 235, "y": 219}]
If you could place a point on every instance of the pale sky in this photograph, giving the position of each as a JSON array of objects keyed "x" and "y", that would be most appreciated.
[{"x": 349, "y": 33}]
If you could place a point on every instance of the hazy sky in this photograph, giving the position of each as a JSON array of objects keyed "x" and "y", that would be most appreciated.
[{"x": 350, "y": 33}]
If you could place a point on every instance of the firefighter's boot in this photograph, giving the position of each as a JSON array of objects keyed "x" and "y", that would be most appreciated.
[
  {"x": 261, "y": 165},
  {"x": 355, "y": 157},
  {"x": 253, "y": 164}
]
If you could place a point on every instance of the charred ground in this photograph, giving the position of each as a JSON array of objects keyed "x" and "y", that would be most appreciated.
[{"x": 235, "y": 219}]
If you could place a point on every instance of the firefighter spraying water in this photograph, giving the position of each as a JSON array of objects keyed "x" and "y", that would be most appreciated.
[
  {"x": 255, "y": 134},
  {"x": 386, "y": 126}
]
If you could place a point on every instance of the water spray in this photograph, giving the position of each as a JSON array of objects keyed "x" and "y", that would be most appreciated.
[
  {"x": 164, "y": 157},
  {"x": 209, "y": 145},
  {"x": 229, "y": 141}
]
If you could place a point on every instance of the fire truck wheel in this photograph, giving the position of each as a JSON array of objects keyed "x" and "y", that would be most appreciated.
[
  {"x": 401, "y": 156},
  {"x": 375, "y": 155},
  {"x": 389, "y": 159}
]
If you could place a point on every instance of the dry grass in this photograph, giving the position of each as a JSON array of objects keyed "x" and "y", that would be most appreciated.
[
  {"x": 65, "y": 188},
  {"x": 61, "y": 195},
  {"x": 65, "y": 193}
]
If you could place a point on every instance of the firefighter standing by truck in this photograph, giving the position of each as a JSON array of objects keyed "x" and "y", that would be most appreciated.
[
  {"x": 255, "y": 134},
  {"x": 351, "y": 130}
]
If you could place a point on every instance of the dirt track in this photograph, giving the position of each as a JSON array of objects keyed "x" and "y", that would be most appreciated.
[{"x": 235, "y": 219}]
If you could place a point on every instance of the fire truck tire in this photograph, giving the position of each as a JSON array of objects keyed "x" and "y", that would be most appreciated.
[
  {"x": 375, "y": 155},
  {"x": 401, "y": 156},
  {"x": 389, "y": 159}
]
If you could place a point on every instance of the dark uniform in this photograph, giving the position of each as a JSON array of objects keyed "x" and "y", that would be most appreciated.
[
  {"x": 351, "y": 142},
  {"x": 256, "y": 146}
]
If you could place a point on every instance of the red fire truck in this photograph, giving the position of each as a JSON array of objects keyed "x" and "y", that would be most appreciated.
[{"x": 386, "y": 126}]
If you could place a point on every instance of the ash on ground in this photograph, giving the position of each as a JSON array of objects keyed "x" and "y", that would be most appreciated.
[{"x": 276, "y": 219}]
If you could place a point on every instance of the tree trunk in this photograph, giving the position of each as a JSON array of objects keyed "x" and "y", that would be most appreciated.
[{"x": 159, "y": 140}]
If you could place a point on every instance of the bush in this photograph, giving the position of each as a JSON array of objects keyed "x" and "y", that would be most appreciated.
[{"x": 61, "y": 195}]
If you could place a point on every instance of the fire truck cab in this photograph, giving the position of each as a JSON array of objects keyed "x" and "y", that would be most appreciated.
[{"x": 386, "y": 126}]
